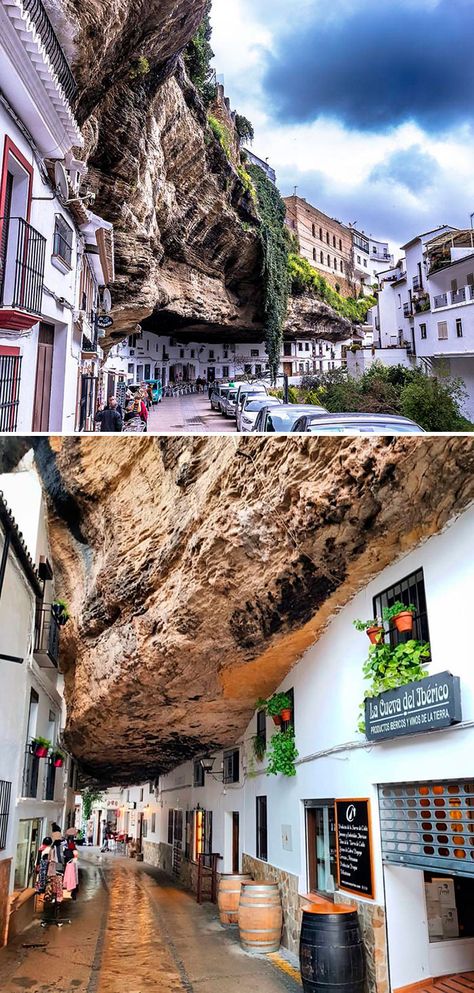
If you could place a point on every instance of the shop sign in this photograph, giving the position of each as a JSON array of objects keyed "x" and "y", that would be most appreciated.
[
  {"x": 104, "y": 322},
  {"x": 354, "y": 847},
  {"x": 428, "y": 705}
]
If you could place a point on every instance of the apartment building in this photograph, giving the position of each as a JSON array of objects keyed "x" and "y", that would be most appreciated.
[
  {"x": 370, "y": 257},
  {"x": 54, "y": 253},
  {"x": 323, "y": 241},
  {"x": 36, "y": 785}
]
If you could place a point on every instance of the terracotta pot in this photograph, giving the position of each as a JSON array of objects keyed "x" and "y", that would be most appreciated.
[
  {"x": 276, "y": 719},
  {"x": 375, "y": 635},
  {"x": 286, "y": 714},
  {"x": 404, "y": 621},
  {"x": 41, "y": 751},
  {"x": 58, "y": 763}
]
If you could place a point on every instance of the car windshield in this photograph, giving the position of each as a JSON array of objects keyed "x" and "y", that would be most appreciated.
[
  {"x": 250, "y": 393},
  {"x": 351, "y": 427},
  {"x": 232, "y": 395},
  {"x": 281, "y": 420},
  {"x": 258, "y": 404},
  {"x": 223, "y": 393}
]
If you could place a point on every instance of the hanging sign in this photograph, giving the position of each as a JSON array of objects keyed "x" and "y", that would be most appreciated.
[
  {"x": 354, "y": 847},
  {"x": 104, "y": 322},
  {"x": 427, "y": 705}
]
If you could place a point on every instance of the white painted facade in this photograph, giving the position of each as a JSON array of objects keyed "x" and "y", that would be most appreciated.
[
  {"x": 335, "y": 760},
  {"x": 33, "y": 688}
]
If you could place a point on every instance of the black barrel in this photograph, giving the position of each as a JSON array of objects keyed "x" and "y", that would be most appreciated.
[{"x": 332, "y": 953}]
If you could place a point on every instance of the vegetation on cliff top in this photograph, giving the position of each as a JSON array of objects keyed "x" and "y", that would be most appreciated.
[
  {"x": 305, "y": 279},
  {"x": 198, "y": 57}
]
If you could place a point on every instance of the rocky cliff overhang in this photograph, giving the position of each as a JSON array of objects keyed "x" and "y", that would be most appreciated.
[
  {"x": 198, "y": 570},
  {"x": 188, "y": 252}
]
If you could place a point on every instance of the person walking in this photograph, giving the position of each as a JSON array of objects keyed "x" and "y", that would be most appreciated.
[
  {"x": 110, "y": 417},
  {"x": 56, "y": 838}
]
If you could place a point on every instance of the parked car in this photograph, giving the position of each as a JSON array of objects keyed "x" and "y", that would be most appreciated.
[
  {"x": 228, "y": 403},
  {"x": 244, "y": 389},
  {"x": 247, "y": 415},
  {"x": 219, "y": 390},
  {"x": 383, "y": 424},
  {"x": 282, "y": 418}
]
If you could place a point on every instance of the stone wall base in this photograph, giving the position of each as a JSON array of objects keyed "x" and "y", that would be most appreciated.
[{"x": 289, "y": 897}]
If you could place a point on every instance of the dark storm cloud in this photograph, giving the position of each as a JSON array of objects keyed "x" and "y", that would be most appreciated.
[
  {"x": 378, "y": 66},
  {"x": 410, "y": 167}
]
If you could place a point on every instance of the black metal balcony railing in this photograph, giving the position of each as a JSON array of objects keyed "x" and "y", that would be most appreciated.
[
  {"x": 49, "y": 779},
  {"x": 46, "y": 648},
  {"x": 53, "y": 48},
  {"x": 21, "y": 265},
  {"x": 30, "y": 772}
]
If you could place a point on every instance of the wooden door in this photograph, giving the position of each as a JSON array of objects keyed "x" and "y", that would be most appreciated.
[
  {"x": 288, "y": 368},
  {"x": 44, "y": 375},
  {"x": 235, "y": 842}
]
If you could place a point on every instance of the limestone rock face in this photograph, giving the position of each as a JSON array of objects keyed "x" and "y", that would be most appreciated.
[
  {"x": 198, "y": 570},
  {"x": 188, "y": 254}
]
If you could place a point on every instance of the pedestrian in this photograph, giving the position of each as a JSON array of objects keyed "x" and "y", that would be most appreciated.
[
  {"x": 149, "y": 391},
  {"x": 110, "y": 417},
  {"x": 136, "y": 415},
  {"x": 56, "y": 839},
  {"x": 90, "y": 832}
]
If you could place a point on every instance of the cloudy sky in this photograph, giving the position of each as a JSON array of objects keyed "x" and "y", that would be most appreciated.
[{"x": 365, "y": 105}]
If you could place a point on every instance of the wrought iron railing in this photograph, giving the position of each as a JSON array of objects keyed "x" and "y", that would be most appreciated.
[
  {"x": 47, "y": 634},
  {"x": 22, "y": 265},
  {"x": 30, "y": 772},
  {"x": 10, "y": 378},
  {"x": 54, "y": 51}
]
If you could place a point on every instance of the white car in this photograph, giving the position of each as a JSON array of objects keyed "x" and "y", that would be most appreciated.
[
  {"x": 252, "y": 405},
  {"x": 245, "y": 390}
]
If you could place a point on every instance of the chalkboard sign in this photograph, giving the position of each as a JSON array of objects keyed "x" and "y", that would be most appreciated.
[{"x": 354, "y": 847}]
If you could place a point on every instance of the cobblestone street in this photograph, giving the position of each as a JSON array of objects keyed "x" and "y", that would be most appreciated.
[{"x": 188, "y": 415}]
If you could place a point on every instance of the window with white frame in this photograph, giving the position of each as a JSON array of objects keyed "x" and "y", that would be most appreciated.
[
  {"x": 459, "y": 332},
  {"x": 442, "y": 330},
  {"x": 62, "y": 242}
]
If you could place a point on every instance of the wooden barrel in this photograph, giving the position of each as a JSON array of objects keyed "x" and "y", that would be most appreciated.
[
  {"x": 332, "y": 955},
  {"x": 228, "y": 896},
  {"x": 260, "y": 917}
]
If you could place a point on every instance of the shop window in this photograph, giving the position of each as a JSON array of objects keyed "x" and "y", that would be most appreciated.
[
  {"x": 410, "y": 590},
  {"x": 449, "y": 906},
  {"x": 262, "y": 727},
  {"x": 5, "y": 794},
  {"x": 262, "y": 829},
  {"x": 198, "y": 774},
  {"x": 231, "y": 766},
  {"x": 321, "y": 845}
]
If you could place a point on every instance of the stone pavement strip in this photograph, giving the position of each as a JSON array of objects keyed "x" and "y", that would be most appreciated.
[
  {"x": 134, "y": 931},
  {"x": 188, "y": 415}
]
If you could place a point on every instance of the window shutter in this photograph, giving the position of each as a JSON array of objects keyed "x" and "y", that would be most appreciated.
[{"x": 442, "y": 330}]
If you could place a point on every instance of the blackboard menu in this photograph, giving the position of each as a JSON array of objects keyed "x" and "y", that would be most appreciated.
[{"x": 354, "y": 847}]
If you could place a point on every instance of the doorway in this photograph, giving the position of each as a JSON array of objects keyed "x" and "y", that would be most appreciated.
[
  {"x": 321, "y": 846},
  {"x": 44, "y": 375},
  {"x": 235, "y": 842},
  {"x": 288, "y": 368},
  {"x": 29, "y": 832}
]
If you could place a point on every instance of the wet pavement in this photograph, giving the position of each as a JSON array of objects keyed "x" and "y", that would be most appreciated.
[
  {"x": 188, "y": 415},
  {"x": 134, "y": 931}
]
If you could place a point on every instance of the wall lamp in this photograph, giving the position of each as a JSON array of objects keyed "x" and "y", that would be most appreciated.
[{"x": 207, "y": 764}]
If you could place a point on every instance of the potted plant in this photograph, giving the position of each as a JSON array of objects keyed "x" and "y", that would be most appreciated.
[
  {"x": 282, "y": 754},
  {"x": 259, "y": 747},
  {"x": 61, "y": 611},
  {"x": 388, "y": 668},
  {"x": 279, "y": 705},
  {"x": 41, "y": 746},
  {"x": 58, "y": 758},
  {"x": 373, "y": 628},
  {"x": 401, "y": 614}
]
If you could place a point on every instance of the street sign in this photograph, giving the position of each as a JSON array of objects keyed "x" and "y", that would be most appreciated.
[
  {"x": 104, "y": 321},
  {"x": 354, "y": 847},
  {"x": 429, "y": 704}
]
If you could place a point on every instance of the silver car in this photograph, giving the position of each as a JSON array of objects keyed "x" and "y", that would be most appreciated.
[
  {"x": 249, "y": 412},
  {"x": 350, "y": 424},
  {"x": 228, "y": 403}
]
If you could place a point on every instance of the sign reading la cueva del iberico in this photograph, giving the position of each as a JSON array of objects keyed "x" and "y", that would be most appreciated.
[{"x": 428, "y": 705}]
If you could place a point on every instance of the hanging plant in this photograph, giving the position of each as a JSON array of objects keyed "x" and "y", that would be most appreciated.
[
  {"x": 373, "y": 628},
  {"x": 41, "y": 746},
  {"x": 61, "y": 611},
  {"x": 259, "y": 747},
  {"x": 282, "y": 754},
  {"x": 388, "y": 668},
  {"x": 58, "y": 758},
  {"x": 401, "y": 615}
]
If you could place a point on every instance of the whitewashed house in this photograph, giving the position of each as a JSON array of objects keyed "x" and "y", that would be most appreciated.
[
  {"x": 410, "y": 788},
  {"x": 33, "y": 791}
]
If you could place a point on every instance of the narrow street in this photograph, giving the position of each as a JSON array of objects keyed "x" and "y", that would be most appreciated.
[
  {"x": 133, "y": 931},
  {"x": 188, "y": 415}
]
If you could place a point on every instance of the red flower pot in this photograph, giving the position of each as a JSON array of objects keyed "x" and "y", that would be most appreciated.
[
  {"x": 58, "y": 763},
  {"x": 286, "y": 714},
  {"x": 404, "y": 621},
  {"x": 41, "y": 751},
  {"x": 375, "y": 635},
  {"x": 276, "y": 719}
]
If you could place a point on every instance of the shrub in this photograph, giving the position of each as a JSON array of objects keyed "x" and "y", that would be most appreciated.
[
  {"x": 244, "y": 129},
  {"x": 434, "y": 404},
  {"x": 305, "y": 279},
  {"x": 140, "y": 67},
  {"x": 198, "y": 57},
  {"x": 222, "y": 134}
]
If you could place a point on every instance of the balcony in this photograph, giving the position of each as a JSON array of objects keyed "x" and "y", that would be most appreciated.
[
  {"x": 458, "y": 296},
  {"x": 22, "y": 257},
  {"x": 46, "y": 648},
  {"x": 440, "y": 301},
  {"x": 52, "y": 47},
  {"x": 30, "y": 773}
]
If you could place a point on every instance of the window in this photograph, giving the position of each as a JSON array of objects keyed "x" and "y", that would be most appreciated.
[
  {"x": 181, "y": 353},
  {"x": 153, "y": 823},
  {"x": 423, "y": 332},
  {"x": 193, "y": 353},
  {"x": 10, "y": 379},
  {"x": 130, "y": 368},
  {"x": 198, "y": 774},
  {"x": 313, "y": 230},
  {"x": 141, "y": 795},
  {"x": 62, "y": 241},
  {"x": 410, "y": 590},
  {"x": 365, "y": 263},
  {"x": 170, "y": 826},
  {"x": 321, "y": 234},
  {"x": 211, "y": 354},
  {"x": 128, "y": 796},
  {"x": 144, "y": 828},
  {"x": 321, "y": 845},
  {"x": 231, "y": 766},
  {"x": 254, "y": 352},
  {"x": 358, "y": 259},
  {"x": 322, "y": 257},
  {"x": 150, "y": 787},
  {"x": 329, "y": 261},
  {"x": 341, "y": 266},
  {"x": 261, "y": 826},
  {"x": 314, "y": 255},
  {"x": 306, "y": 346},
  {"x": 148, "y": 372},
  {"x": 225, "y": 371},
  {"x": 340, "y": 244},
  {"x": 442, "y": 330},
  {"x": 262, "y": 727},
  {"x": 334, "y": 241},
  {"x": 459, "y": 328},
  {"x": 335, "y": 263},
  {"x": 5, "y": 794}
]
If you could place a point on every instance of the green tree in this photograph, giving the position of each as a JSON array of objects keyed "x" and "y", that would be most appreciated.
[
  {"x": 244, "y": 129},
  {"x": 89, "y": 797},
  {"x": 433, "y": 403}
]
